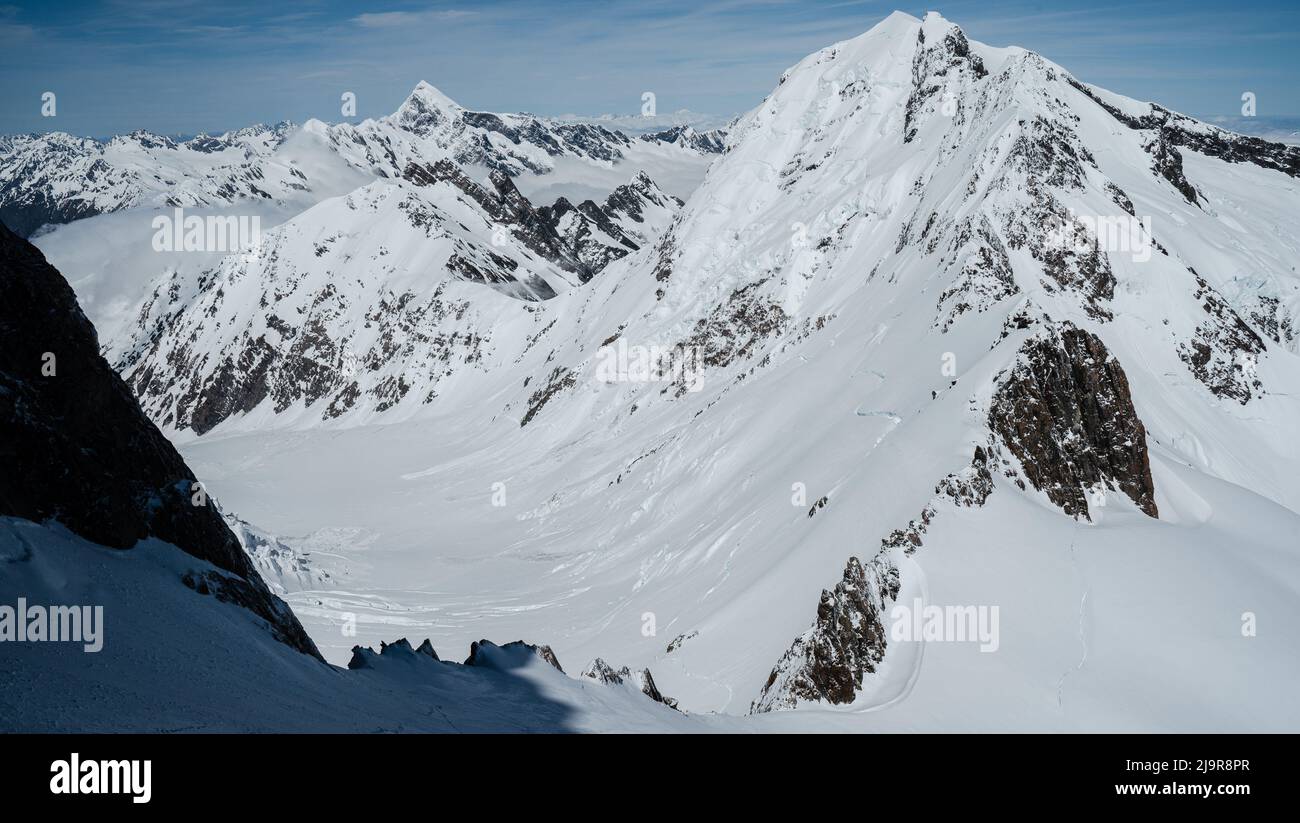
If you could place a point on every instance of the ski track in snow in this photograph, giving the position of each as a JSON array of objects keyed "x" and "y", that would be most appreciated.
[{"x": 1082, "y": 630}]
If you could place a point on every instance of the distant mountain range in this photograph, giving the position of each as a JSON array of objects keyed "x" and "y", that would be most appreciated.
[{"x": 55, "y": 178}]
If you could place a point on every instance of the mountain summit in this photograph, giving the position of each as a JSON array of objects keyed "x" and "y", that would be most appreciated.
[{"x": 961, "y": 394}]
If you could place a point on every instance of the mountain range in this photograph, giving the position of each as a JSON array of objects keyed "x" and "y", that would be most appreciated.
[
  {"x": 54, "y": 178},
  {"x": 943, "y": 330}
]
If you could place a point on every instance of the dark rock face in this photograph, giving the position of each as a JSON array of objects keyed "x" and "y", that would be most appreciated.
[
  {"x": 676, "y": 642},
  {"x": 828, "y": 662},
  {"x": 1267, "y": 314},
  {"x": 543, "y": 652},
  {"x": 507, "y": 207},
  {"x": 516, "y": 210},
  {"x": 581, "y": 228},
  {"x": 1224, "y": 349},
  {"x": 561, "y": 379},
  {"x": 78, "y": 449},
  {"x": 736, "y": 328},
  {"x": 1168, "y": 163},
  {"x": 932, "y": 67},
  {"x": 25, "y": 212},
  {"x": 601, "y": 671},
  {"x": 599, "y": 233},
  {"x": 364, "y": 657},
  {"x": 1065, "y": 412},
  {"x": 1050, "y": 153}
]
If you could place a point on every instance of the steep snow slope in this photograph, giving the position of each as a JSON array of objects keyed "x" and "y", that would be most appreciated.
[
  {"x": 173, "y": 661},
  {"x": 897, "y": 329}
]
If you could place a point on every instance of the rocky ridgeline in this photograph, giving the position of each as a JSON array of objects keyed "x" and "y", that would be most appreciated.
[
  {"x": 829, "y": 663},
  {"x": 640, "y": 679},
  {"x": 486, "y": 654},
  {"x": 1065, "y": 413},
  {"x": 633, "y": 215}
]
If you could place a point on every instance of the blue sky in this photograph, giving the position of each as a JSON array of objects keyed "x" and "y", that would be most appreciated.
[{"x": 194, "y": 65}]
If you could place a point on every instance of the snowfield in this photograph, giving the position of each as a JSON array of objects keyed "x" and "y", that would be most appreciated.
[{"x": 904, "y": 364}]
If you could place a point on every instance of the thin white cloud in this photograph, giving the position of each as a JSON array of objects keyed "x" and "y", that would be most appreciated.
[{"x": 396, "y": 19}]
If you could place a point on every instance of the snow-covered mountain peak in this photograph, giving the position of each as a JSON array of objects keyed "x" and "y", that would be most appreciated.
[
  {"x": 428, "y": 95},
  {"x": 426, "y": 109},
  {"x": 964, "y": 312}
]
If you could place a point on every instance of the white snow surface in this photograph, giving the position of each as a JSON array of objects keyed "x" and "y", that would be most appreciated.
[{"x": 624, "y": 515}]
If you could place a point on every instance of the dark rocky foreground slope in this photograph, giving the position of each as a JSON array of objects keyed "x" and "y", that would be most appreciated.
[{"x": 77, "y": 449}]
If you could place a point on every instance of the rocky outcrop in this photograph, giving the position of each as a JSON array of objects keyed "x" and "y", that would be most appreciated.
[
  {"x": 1224, "y": 350},
  {"x": 364, "y": 657},
  {"x": 77, "y": 448},
  {"x": 586, "y": 228},
  {"x": 846, "y": 643},
  {"x": 509, "y": 210},
  {"x": 983, "y": 272},
  {"x": 640, "y": 679},
  {"x": 478, "y": 648},
  {"x": 1064, "y": 411},
  {"x": 830, "y": 662},
  {"x": 676, "y": 642},
  {"x": 736, "y": 328},
  {"x": 713, "y": 141},
  {"x": 633, "y": 215},
  {"x": 483, "y": 653},
  {"x": 561, "y": 379},
  {"x": 1168, "y": 163},
  {"x": 941, "y": 62},
  {"x": 641, "y": 209}
]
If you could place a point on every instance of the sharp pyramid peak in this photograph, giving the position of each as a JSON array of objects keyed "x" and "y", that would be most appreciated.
[{"x": 428, "y": 94}]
